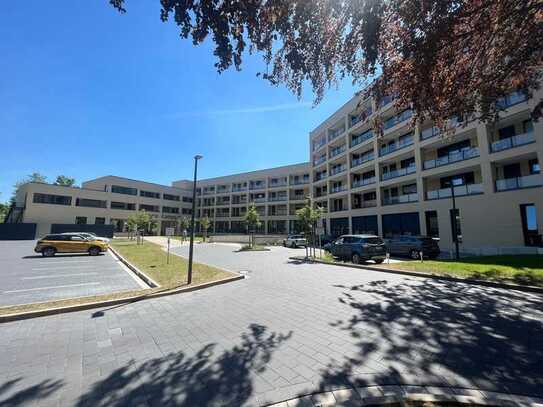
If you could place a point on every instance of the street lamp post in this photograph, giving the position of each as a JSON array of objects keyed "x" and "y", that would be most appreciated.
[
  {"x": 191, "y": 247},
  {"x": 454, "y": 223}
]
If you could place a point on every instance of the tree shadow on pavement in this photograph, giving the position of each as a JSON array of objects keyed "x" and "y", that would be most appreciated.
[
  {"x": 12, "y": 395},
  {"x": 208, "y": 377},
  {"x": 441, "y": 332}
]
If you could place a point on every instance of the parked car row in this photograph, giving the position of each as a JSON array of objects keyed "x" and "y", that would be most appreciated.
[
  {"x": 71, "y": 242},
  {"x": 357, "y": 248}
]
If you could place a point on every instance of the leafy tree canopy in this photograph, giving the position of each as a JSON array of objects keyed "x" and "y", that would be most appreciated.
[
  {"x": 65, "y": 181},
  {"x": 442, "y": 57}
]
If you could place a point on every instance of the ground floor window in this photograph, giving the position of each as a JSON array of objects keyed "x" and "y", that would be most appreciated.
[
  {"x": 432, "y": 227},
  {"x": 80, "y": 220},
  {"x": 100, "y": 221},
  {"x": 222, "y": 227},
  {"x": 365, "y": 225},
  {"x": 529, "y": 225},
  {"x": 118, "y": 224},
  {"x": 294, "y": 227},
  {"x": 401, "y": 224},
  {"x": 339, "y": 226},
  {"x": 277, "y": 226}
]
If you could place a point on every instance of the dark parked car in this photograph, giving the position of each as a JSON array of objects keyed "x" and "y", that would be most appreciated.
[
  {"x": 359, "y": 248},
  {"x": 412, "y": 246}
]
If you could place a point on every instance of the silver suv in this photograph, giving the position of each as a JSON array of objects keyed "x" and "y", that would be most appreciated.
[{"x": 295, "y": 241}]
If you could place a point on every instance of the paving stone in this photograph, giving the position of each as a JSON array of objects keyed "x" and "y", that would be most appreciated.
[
  {"x": 347, "y": 398},
  {"x": 324, "y": 399},
  {"x": 305, "y": 401}
]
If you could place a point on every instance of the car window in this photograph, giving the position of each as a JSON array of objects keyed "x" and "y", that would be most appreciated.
[
  {"x": 373, "y": 240},
  {"x": 77, "y": 238},
  {"x": 339, "y": 241},
  {"x": 348, "y": 239}
]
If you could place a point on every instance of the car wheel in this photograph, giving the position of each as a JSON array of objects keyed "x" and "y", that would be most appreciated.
[
  {"x": 378, "y": 261},
  {"x": 94, "y": 251},
  {"x": 355, "y": 258},
  {"x": 414, "y": 254},
  {"x": 284, "y": 244},
  {"x": 48, "y": 251},
  {"x": 294, "y": 245}
]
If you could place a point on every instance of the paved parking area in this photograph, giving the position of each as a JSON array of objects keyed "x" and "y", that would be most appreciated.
[
  {"x": 289, "y": 329},
  {"x": 28, "y": 277}
]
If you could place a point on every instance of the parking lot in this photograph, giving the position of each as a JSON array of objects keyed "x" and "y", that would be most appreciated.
[{"x": 27, "y": 277}]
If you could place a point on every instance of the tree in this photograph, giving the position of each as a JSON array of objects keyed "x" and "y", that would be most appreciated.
[
  {"x": 184, "y": 224},
  {"x": 205, "y": 223},
  {"x": 34, "y": 177},
  {"x": 65, "y": 181},
  {"x": 442, "y": 57},
  {"x": 4, "y": 208},
  {"x": 252, "y": 219},
  {"x": 308, "y": 218},
  {"x": 141, "y": 221}
]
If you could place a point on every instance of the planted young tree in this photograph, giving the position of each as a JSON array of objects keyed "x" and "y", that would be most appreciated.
[
  {"x": 184, "y": 224},
  {"x": 141, "y": 221},
  {"x": 444, "y": 58},
  {"x": 252, "y": 220},
  {"x": 308, "y": 218},
  {"x": 205, "y": 223}
]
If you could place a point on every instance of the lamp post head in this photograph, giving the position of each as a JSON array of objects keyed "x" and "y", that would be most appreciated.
[{"x": 198, "y": 157}]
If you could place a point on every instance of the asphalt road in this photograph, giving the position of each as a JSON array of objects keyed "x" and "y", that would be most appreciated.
[
  {"x": 289, "y": 329},
  {"x": 28, "y": 277}
]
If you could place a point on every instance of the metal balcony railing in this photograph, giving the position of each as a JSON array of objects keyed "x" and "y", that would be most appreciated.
[
  {"x": 335, "y": 190},
  {"x": 393, "y": 200},
  {"x": 363, "y": 181},
  {"x": 511, "y": 142},
  {"x": 399, "y": 173},
  {"x": 396, "y": 146},
  {"x": 332, "y": 134},
  {"x": 363, "y": 159},
  {"x": 338, "y": 169},
  {"x": 338, "y": 150},
  {"x": 452, "y": 158},
  {"x": 319, "y": 160}
]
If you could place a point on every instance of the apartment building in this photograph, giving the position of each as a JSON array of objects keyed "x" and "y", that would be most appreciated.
[
  {"x": 105, "y": 200},
  {"x": 276, "y": 192},
  {"x": 403, "y": 182}
]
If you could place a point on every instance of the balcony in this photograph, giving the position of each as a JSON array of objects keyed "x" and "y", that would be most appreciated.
[
  {"x": 335, "y": 190},
  {"x": 363, "y": 159},
  {"x": 361, "y": 138},
  {"x": 319, "y": 145},
  {"x": 302, "y": 181},
  {"x": 257, "y": 186},
  {"x": 399, "y": 118},
  {"x": 337, "y": 151},
  {"x": 452, "y": 158},
  {"x": 209, "y": 192},
  {"x": 223, "y": 190},
  {"x": 223, "y": 203},
  {"x": 277, "y": 184},
  {"x": 335, "y": 133},
  {"x": 223, "y": 215},
  {"x": 297, "y": 197},
  {"x": 239, "y": 189},
  {"x": 511, "y": 100},
  {"x": 362, "y": 116},
  {"x": 337, "y": 170},
  {"x": 394, "y": 200},
  {"x": 320, "y": 176},
  {"x": 319, "y": 161},
  {"x": 528, "y": 181},
  {"x": 278, "y": 213},
  {"x": 399, "y": 173},
  {"x": 512, "y": 142},
  {"x": 366, "y": 204},
  {"x": 363, "y": 182},
  {"x": 320, "y": 194},
  {"x": 461, "y": 190},
  {"x": 258, "y": 200},
  {"x": 277, "y": 199},
  {"x": 396, "y": 146}
]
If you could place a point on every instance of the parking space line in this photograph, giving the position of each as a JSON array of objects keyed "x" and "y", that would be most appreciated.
[
  {"x": 58, "y": 275},
  {"x": 49, "y": 288},
  {"x": 65, "y": 261},
  {"x": 60, "y": 268}
]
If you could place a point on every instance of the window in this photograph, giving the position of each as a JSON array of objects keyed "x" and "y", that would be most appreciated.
[
  {"x": 90, "y": 203},
  {"x": 401, "y": 224},
  {"x": 52, "y": 199},
  {"x": 534, "y": 166},
  {"x": 100, "y": 221},
  {"x": 186, "y": 211},
  {"x": 529, "y": 225},
  {"x": 80, "y": 220},
  {"x": 123, "y": 205},
  {"x": 124, "y": 190},
  {"x": 432, "y": 227},
  {"x": 169, "y": 197},
  {"x": 149, "y": 194},
  {"x": 506, "y": 132},
  {"x": 149, "y": 208},
  {"x": 169, "y": 209},
  {"x": 365, "y": 224},
  {"x": 456, "y": 226},
  {"x": 409, "y": 189},
  {"x": 186, "y": 199}
]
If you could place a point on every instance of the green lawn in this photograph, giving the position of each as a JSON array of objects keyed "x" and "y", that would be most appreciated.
[
  {"x": 527, "y": 270},
  {"x": 255, "y": 248},
  {"x": 151, "y": 259}
]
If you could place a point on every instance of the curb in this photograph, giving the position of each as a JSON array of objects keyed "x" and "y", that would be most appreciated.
[
  {"x": 106, "y": 303},
  {"x": 494, "y": 284},
  {"x": 406, "y": 395},
  {"x": 148, "y": 280}
]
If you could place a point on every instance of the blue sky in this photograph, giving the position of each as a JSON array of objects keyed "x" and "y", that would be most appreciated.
[{"x": 86, "y": 92}]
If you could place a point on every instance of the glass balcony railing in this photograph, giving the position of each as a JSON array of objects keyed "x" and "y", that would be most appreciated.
[
  {"x": 277, "y": 198},
  {"x": 528, "y": 181},
  {"x": 361, "y": 138},
  {"x": 297, "y": 197},
  {"x": 399, "y": 173},
  {"x": 223, "y": 203},
  {"x": 223, "y": 215},
  {"x": 393, "y": 200},
  {"x": 239, "y": 189},
  {"x": 363, "y": 181},
  {"x": 277, "y": 184},
  {"x": 209, "y": 192},
  {"x": 406, "y": 142},
  {"x": 366, "y": 204},
  {"x": 332, "y": 134},
  {"x": 363, "y": 159},
  {"x": 511, "y": 142},
  {"x": 362, "y": 116},
  {"x": 321, "y": 176},
  {"x": 319, "y": 145},
  {"x": 258, "y": 200},
  {"x": 511, "y": 100},
  {"x": 460, "y": 190},
  {"x": 338, "y": 150},
  {"x": 452, "y": 158},
  {"x": 338, "y": 169},
  {"x": 319, "y": 161},
  {"x": 394, "y": 120},
  {"x": 299, "y": 181},
  {"x": 341, "y": 188},
  {"x": 278, "y": 213},
  {"x": 257, "y": 186}
]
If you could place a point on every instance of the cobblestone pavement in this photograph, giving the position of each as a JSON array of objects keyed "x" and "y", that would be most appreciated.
[{"x": 287, "y": 330}]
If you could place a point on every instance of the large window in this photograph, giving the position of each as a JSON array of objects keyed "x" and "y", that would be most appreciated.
[
  {"x": 124, "y": 190},
  {"x": 186, "y": 199},
  {"x": 90, "y": 203},
  {"x": 169, "y": 209},
  {"x": 52, "y": 199},
  {"x": 80, "y": 220},
  {"x": 529, "y": 225},
  {"x": 432, "y": 227},
  {"x": 149, "y": 208},
  {"x": 149, "y": 194},
  {"x": 169, "y": 197},
  {"x": 365, "y": 225},
  {"x": 339, "y": 226},
  {"x": 401, "y": 224},
  {"x": 123, "y": 205},
  {"x": 99, "y": 221}
]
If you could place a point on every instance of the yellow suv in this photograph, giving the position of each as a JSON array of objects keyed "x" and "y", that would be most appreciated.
[{"x": 51, "y": 244}]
